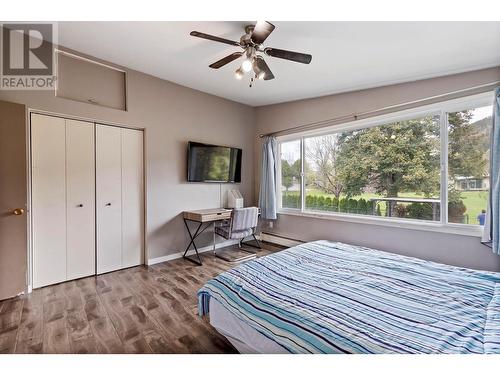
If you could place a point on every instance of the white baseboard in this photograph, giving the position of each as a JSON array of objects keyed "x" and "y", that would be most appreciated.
[
  {"x": 279, "y": 240},
  {"x": 203, "y": 249},
  {"x": 268, "y": 237}
]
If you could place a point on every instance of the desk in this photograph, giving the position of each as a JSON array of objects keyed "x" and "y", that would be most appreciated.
[{"x": 205, "y": 219}]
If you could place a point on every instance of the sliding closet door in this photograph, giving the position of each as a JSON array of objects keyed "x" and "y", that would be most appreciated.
[
  {"x": 48, "y": 199},
  {"x": 109, "y": 199},
  {"x": 132, "y": 198},
  {"x": 80, "y": 201}
]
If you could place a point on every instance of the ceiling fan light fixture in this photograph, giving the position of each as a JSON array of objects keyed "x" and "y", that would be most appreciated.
[
  {"x": 252, "y": 45},
  {"x": 246, "y": 65},
  {"x": 239, "y": 73}
]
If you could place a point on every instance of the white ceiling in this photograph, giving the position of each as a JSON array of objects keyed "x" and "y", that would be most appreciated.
[{"x": 346, "y": 55}]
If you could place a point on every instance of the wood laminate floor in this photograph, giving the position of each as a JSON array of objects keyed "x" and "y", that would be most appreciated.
[{"x": 145, "y": 309}]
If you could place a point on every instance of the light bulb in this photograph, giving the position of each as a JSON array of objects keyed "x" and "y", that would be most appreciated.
[
  {"x": 238, "y": 73},
  {"x": 246, "y": 65}
]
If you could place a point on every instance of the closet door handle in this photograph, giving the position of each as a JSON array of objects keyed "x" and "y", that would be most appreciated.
[
  {"x": 108, "y": 204},
  {"x": 79, "y": 205},
  {"x": 18, "y": 211}
]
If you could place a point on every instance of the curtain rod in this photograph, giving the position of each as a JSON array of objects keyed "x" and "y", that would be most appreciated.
[{"x": 379, "y": 111}]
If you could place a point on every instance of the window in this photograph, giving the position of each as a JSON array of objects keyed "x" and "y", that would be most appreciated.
[
  {"x": 406, "y": 169},
  {"x": 468, "y": 164},
  {"x": 391, "y": 170},
  {"x": 290, "y": 174}
]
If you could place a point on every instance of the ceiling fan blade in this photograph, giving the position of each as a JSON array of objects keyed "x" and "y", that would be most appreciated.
[
  {"x": 263, "y": 67},
  {"x": 261, "y": 31},
  {"x": 289, "y": 55},
  {"x": 225, "y": 60},
  {"x": 214, "y": 38}
]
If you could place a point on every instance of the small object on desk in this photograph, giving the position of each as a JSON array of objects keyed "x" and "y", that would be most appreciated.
[{"x": 234, "y": 199}]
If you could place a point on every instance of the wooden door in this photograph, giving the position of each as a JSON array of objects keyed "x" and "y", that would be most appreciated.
[
  {"x": 48, "y": 163},
  {"x": 80, "y": 199},
  {"x": 109, "y": 197},
  {"x": 132, "y": 198},
  {"x": 13, "y": 197}
]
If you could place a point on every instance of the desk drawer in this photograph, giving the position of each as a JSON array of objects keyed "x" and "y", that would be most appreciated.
[
  {"x": 205, "y": 217},
  {"x": 218, "y": 216}
]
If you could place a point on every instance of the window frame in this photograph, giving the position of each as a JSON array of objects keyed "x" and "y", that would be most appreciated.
[{"x": 441, "y": 109}]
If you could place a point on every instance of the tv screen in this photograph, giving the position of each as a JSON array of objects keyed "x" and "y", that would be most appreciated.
[{"x": 210, "y": 163}]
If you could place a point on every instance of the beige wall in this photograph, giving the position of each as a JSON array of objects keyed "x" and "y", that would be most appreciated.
[
  {"x": 447, "y": 248},
  {"x": 171, "y": 115}
]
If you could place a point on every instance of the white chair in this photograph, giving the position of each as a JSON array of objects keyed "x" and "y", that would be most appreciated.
[{"x": 242, "y": 224}]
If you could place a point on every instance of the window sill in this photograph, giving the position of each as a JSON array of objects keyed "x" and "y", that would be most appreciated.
[{"x": 458, "y": 229}]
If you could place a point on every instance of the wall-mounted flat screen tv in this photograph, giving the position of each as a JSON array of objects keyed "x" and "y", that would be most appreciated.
[{"x": 211, "y": 163}]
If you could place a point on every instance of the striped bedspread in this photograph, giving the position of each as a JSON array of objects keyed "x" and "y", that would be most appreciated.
[{"x": 326, "y": 297}]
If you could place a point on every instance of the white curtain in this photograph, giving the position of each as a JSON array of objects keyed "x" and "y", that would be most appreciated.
[{"x": 267, "y": 195}]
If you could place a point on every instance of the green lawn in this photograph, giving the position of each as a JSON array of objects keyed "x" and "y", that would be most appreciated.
[{"x": 475, "y": 201}]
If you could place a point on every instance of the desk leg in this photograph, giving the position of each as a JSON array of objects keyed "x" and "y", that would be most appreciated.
[{"x": 193, "y": 237}]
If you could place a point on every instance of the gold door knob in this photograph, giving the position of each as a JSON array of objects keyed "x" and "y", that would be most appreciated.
[{"x": 18, "y": 211}]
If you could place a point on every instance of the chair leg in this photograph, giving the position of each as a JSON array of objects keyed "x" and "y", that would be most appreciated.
[
  {"x": 251, "y": 244},
  {"x": 251, "y": 254},
  {"x": 257, "y": 241}
]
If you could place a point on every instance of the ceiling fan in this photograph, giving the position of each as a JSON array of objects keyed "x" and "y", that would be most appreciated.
[{"x": 253, "y": 52}]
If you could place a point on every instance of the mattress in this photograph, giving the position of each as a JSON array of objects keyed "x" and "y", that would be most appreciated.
[
  {"x": 328, "y": 297},
  {"x": 243, "y": 337}
]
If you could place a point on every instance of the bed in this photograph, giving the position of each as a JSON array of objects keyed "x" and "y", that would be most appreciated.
[{"x": 330, "y": 297}]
